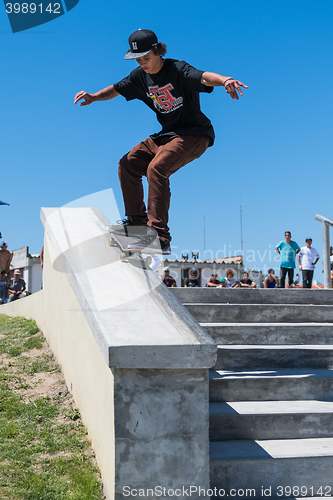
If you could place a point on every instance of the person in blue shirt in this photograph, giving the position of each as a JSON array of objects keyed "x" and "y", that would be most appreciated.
[
  {"x": 271, "y": 281},
  {"x": 288, "y": 250}
]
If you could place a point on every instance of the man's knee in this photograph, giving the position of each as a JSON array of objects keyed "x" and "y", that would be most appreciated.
[
  {"x": 123, "y": 164},
  {"x": 156, "y": 170},
  {"x": 132, "y": 165}
]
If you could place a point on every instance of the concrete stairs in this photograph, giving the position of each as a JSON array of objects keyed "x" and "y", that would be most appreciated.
[{"x": 271, "y": 390}]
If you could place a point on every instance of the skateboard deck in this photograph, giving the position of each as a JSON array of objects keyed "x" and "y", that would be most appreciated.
[{"x": 123, "y": 242}]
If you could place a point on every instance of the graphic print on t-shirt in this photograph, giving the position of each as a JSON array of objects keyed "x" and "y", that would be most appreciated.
[{"x": 163, "y": 99}]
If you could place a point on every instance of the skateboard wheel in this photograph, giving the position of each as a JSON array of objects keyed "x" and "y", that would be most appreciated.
[
  {"x": 123, "y": 257},
  {"x": 112, "y": 242}
]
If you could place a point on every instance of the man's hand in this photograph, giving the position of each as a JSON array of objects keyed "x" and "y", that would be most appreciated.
[
  {"x": 103, "y": 95},
  {"x": 88, "y": 98},
  {"x": 233, "y": 86}
]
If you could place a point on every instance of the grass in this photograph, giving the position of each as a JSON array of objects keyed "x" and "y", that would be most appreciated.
[{"x": 44, "y": 450}]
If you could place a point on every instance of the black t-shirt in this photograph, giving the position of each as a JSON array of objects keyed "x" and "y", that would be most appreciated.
[
  {"x": 246, "y": 282},
  {"x": 190, "y": 282},
  {"x": 17, "y": 286},
  {"x": 169, "y": 281},
  {"x": 173, "y": 93}
]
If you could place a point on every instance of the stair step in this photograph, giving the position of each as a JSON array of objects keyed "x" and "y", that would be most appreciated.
[
  {"x": 271, "y": 420},
  {"x": 275, "y": 464},
  {"x": 271, "y": 448},
  {"x": 270, "y": 333},
  {"x": 270, "y": 385},
  {"x": 238, "y": 357},
  {"x": 254, "y": 296},
  {"x": 271, "y": 393},
  {"x": 260, "y": 313}
]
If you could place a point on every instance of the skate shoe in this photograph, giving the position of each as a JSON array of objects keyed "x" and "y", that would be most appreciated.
[
  {"x": 127, "y": 227},
  {"x": 150, "y": 243}
]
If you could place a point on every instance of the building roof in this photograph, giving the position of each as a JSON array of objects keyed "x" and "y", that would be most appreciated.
[{"x": 236, "y": 260}]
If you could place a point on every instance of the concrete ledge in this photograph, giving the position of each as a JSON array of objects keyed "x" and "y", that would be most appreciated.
[
  {"x": 133, "y": 357},
  {"x": 136, "y": 320}
]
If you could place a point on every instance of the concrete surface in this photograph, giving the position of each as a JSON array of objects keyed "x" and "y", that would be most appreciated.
[
  {"x": 270, "y": 407},
  {"x": 274, "y": 465},
  {"x": 255, "y": 295},
  {"x": 270, "y": 420},
  {"x": 260, "y": 357},
  {"x": 261, "y": 313},
  {"x": 135, "y": 319},
  {"x": 270, "y": 385},
  {"x": 270, "y": 333},
  {"x": 161, "y": 421},
  {"x": 271, "y": 392},
  {"x": 134, "y": 359},
  {"x": 271, "y": 448},
  {"x": 61, "y": 319}
]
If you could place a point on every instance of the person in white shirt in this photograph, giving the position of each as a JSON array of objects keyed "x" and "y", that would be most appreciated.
[{"x": 307, "y": 259}]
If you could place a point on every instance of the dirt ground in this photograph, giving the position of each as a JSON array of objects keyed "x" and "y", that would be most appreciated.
[{"x": 42, "y": 384}]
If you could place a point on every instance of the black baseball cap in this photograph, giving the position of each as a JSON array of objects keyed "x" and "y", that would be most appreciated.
[{"x": 141, "y": 42}]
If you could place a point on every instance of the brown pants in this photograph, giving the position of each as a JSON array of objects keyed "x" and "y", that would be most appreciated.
[{"x": 157, "y": 160}]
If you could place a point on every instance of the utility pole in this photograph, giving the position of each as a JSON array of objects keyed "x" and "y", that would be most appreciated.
[
  {"x": 204, "y": 235},
  {"x": 241, "y": 209}
]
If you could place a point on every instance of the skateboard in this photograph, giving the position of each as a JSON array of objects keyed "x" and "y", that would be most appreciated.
[{"x": 134, "y": 256}]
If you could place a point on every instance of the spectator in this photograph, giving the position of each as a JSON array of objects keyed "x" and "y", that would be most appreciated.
[
  {"x": 223, "y": 283},
  {"x": 5, "y": 257},
  {"x": 16, "y": 287},
  {"x": 288, "y": 250},
  {"x": 230, "y": 275},
  {"x": 191, "y": 281},
  {"x": 271, "y": 281},
  {"x": 168, "y": 280},
  {"x": 3, "y": 287},
  {"x": 42, "y": 256},
  {"x": 307, "y": 262},
  {"x": 245, "y": 282},
  {"x": 213, "y": 281}
]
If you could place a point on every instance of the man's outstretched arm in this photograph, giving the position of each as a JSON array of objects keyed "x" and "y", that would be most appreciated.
[
  {"x": 216, "y": 80},
  {"x": 102, "y": 95}
]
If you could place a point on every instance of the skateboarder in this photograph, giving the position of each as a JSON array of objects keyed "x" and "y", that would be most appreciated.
[{"x": 171, "y": 89}]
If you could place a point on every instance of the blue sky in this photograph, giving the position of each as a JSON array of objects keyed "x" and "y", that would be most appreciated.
[{"x": 278, "y": 135}]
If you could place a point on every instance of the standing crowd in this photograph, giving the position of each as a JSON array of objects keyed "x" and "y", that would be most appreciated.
[
  {"x": 11, "y": 288},
  {"x": 307, "y": 259},
  {"x": 290, "y": 251}
]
